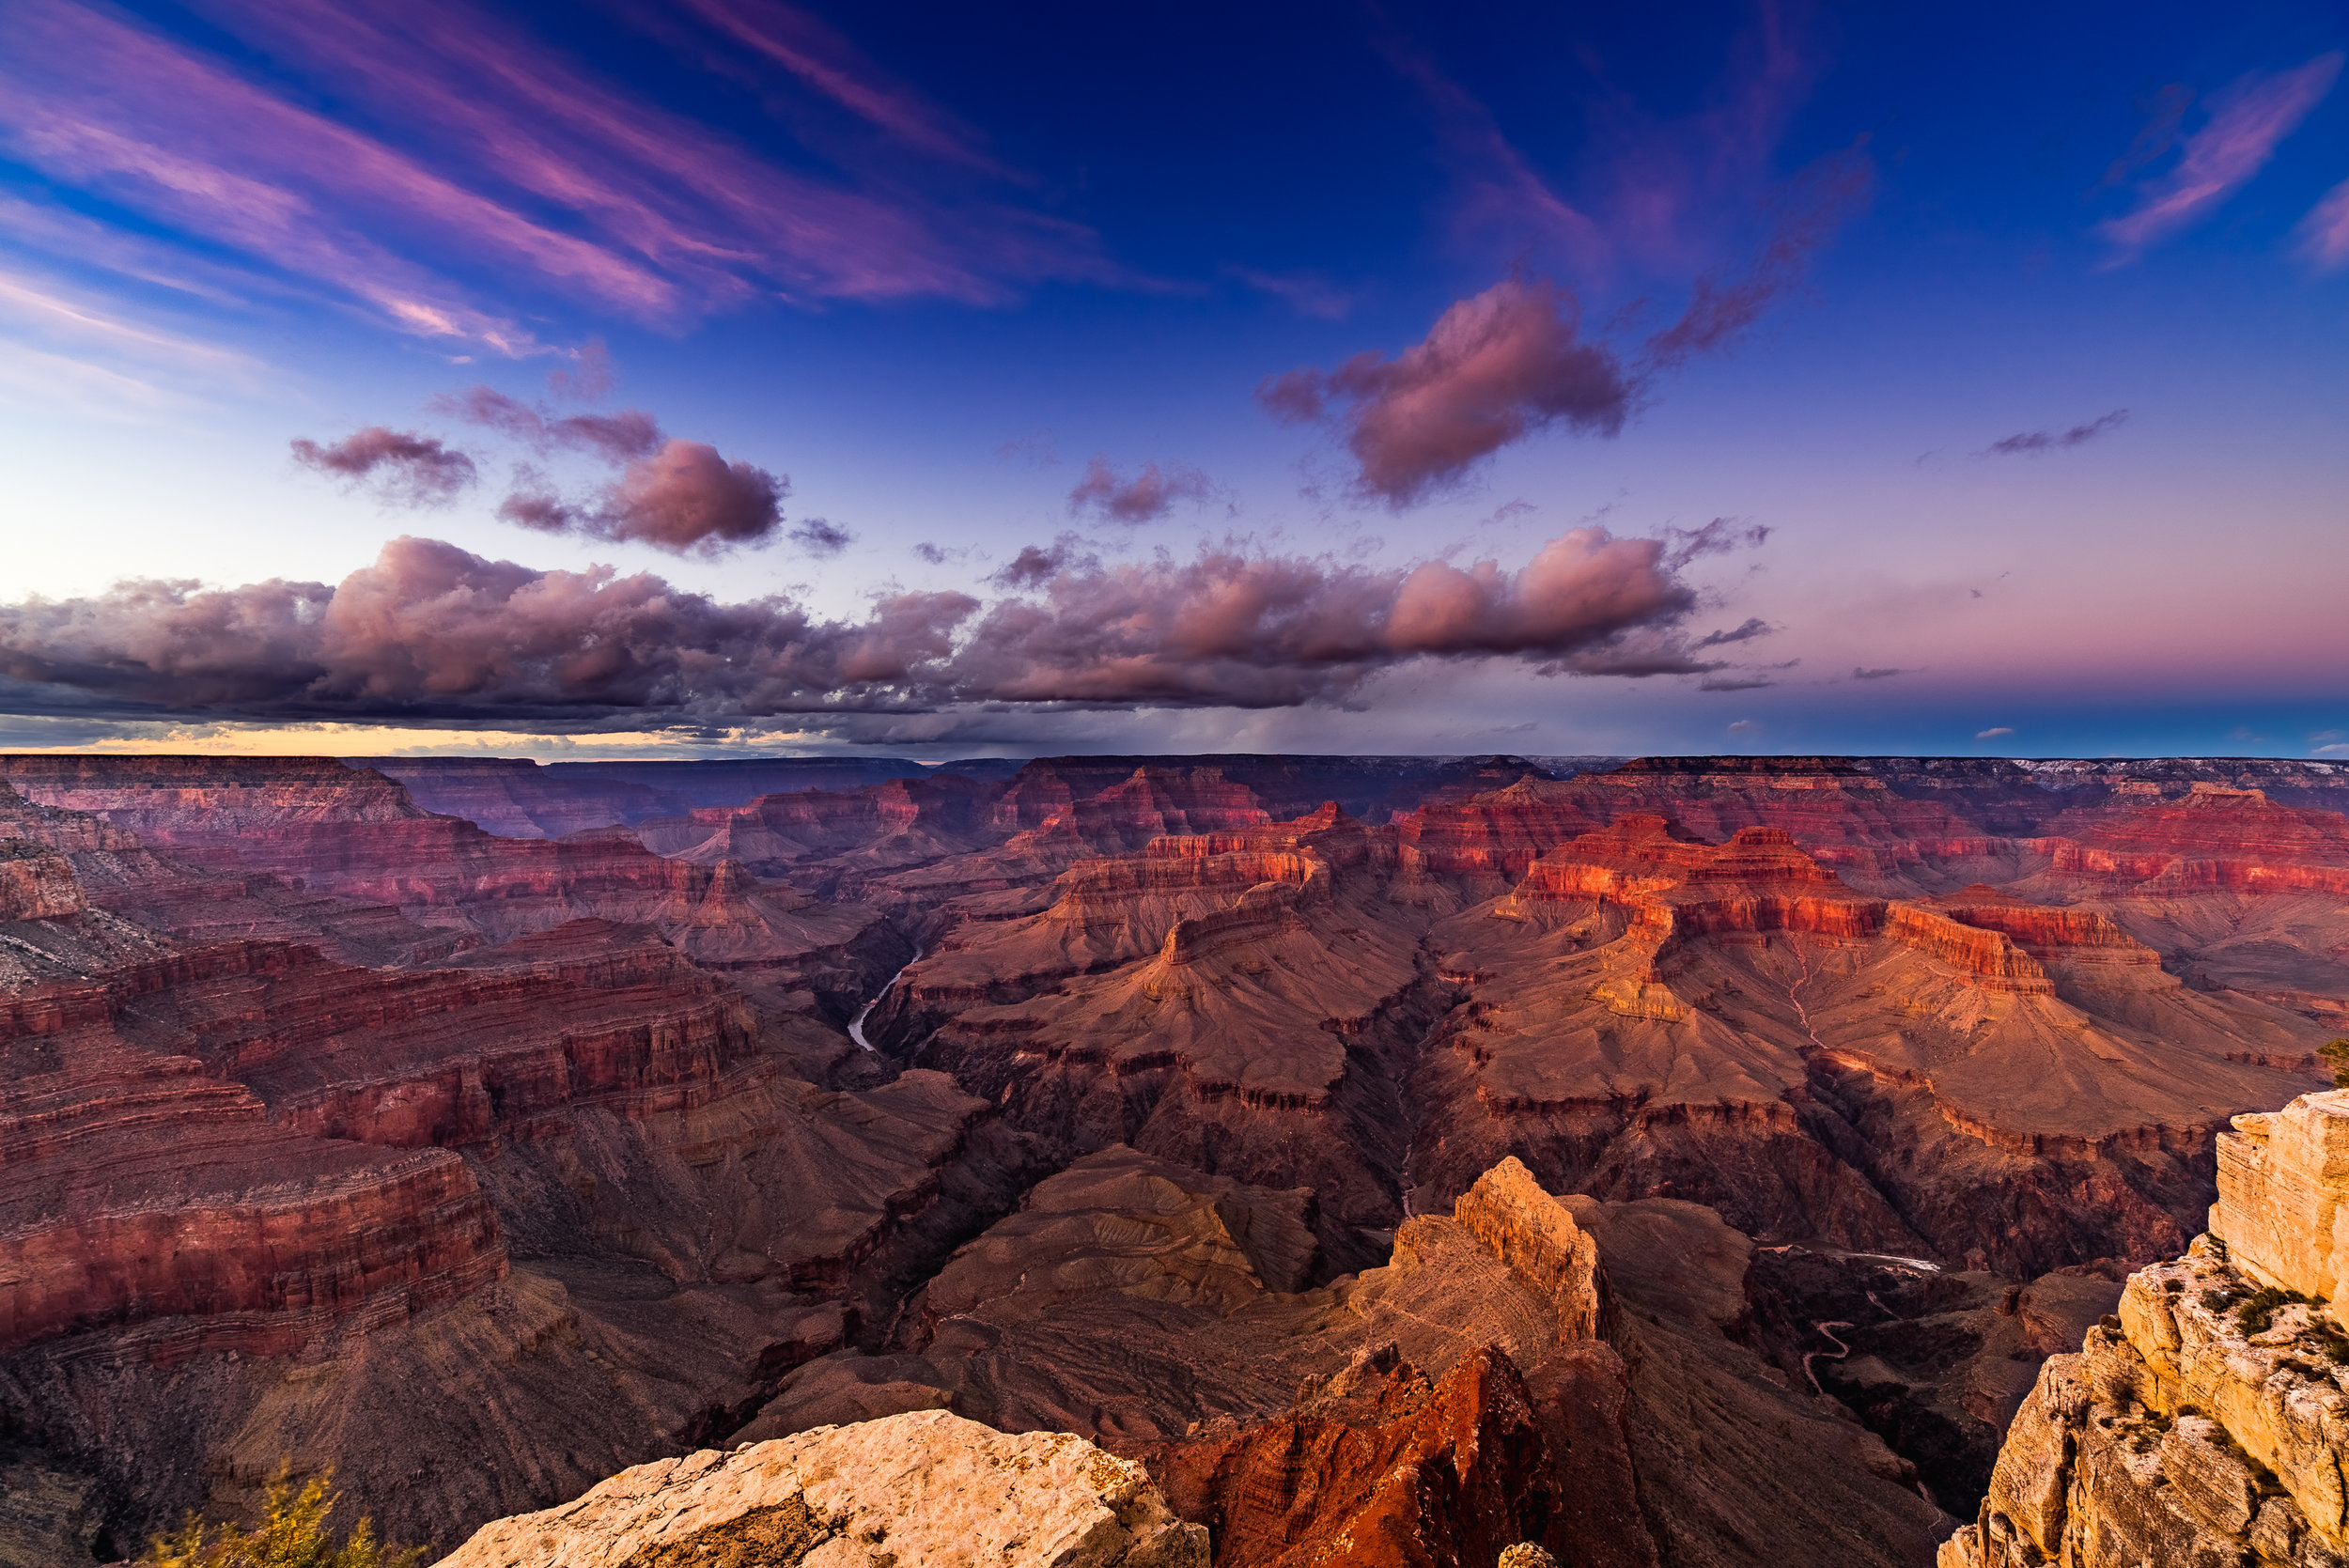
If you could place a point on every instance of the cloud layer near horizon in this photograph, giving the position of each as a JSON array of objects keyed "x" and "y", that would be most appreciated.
[{"x": 431, "y": 630}]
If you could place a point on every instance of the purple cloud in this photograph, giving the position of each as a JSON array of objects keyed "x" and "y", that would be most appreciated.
[
  {"x": 1148, "y": 496},
  {"x": 2246, "y": 121},
  {"x": 616, "y": 438},
  {"x": 2325, "y": 232},
  {"x": 683, "y": 498},
  {"x": 510, "y": 157},
  {"x": 1235, "y": 627},
  {"x": 2032, "y": 442},
  {"x": 818, "y": 537},
  {"x": 402, "y": 469},
  {"x": 1494, "y": 368},
  {"x": 429, "y": 629},
  {"x": 432, "y": 629}
]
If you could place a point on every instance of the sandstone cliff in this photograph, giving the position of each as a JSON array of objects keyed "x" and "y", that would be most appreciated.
[{"x": 2206, "y": 1423}]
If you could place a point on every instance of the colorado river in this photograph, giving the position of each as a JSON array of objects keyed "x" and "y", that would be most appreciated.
[{"x": 856, "y": 1025}]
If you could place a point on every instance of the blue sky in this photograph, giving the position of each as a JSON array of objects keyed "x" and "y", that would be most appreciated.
[{"x": 2005, "y": 349}]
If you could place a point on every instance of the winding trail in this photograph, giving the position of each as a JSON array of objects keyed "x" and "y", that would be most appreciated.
[
  {"x": 856, "y": 1025},
  {"x": 1840, "y": 1350}
]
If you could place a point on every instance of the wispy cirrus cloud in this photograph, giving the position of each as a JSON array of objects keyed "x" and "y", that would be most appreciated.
[
  {"x": 2031, "y": 442},
  {"x": 2325, "y": 232},
  {"x": 468, "y": 166},
  {"x": 2246, "y": 121},
  {"x": 823, "y": 60}
]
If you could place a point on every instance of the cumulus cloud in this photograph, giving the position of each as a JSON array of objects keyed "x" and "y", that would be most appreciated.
[
  {"x": 2246, "y": 121},
  {"x": 1148, "y": 496},
  {"x": 1494, "y": 368},
  {"x": 1232, "y": 626},
  {"x": 432, "y": 631},
  {"x": 401, "y": 468},
  {"x": 2029, "y": 441},
  {"x": 429, "y": 629},
  {"x": 820, "y": 537},
  {"x": 686, "y": 497},
  {"x": 673, "y": 494}
]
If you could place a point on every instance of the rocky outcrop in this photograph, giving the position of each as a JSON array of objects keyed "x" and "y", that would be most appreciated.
[
  {"x": 36, "y": 882},
  {"x": 2207, "y": 1423},
  {"x": 924, "y": 1487}
]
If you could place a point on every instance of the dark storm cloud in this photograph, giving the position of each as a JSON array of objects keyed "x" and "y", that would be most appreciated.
[
  {"x": 2049, "y": 441},
  {"x": 432, "y": 631},
  {"x": 401, "y": 468}
]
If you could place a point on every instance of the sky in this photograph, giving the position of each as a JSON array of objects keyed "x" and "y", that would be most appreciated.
[{"x": 731, "y": 377}]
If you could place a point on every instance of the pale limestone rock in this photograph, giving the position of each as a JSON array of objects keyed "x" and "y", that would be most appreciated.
[
  {"x": 926, "y": 1489},
  {"x": 2176, "y": 1437},
  {"x": 2282, "y": 1180}
]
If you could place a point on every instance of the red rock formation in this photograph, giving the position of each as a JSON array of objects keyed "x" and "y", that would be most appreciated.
[
  {"x": 36, "y": 882},
  {"x": 1426, "y": 1476},
  {"x": 139, "y": 1187}
]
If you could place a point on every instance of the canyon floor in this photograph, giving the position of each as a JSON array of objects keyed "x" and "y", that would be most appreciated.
[{"x": 481, "y": 1129}]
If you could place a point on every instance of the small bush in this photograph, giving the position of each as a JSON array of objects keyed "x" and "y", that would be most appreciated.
[
  {"x": 2337, "y": 1057},
  {"x": 293, "y": 1534},
  {"x": 2258, "y": 1312}
]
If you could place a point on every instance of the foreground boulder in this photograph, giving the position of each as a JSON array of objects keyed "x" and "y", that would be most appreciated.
[
  {"x": 2207, "y": 1423},
  {"x": 927, "y": 1488}
]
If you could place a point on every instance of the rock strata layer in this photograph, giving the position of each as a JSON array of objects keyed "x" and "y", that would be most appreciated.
[{"x": 927, "y": 1488}]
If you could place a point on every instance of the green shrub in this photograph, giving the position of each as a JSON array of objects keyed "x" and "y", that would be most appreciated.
[
  {"x": 293, "y": 1534},
  {"x": 2258, "y": 1312},
  {"x": 2337, "y": 1057}
]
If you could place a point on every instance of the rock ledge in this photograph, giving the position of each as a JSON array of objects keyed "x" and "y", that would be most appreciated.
[{"x": 926, "y": 1488}]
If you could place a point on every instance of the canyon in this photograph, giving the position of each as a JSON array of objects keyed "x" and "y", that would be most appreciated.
[{"x": 1686, "y": 1160}]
